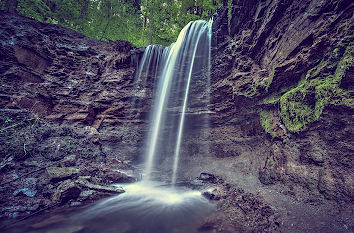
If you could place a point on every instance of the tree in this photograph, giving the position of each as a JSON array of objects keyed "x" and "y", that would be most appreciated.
[{"x": 141, "y": 22}]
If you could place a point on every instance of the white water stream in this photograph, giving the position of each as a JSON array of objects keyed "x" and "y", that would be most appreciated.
[{"x": 188, "y": 55}]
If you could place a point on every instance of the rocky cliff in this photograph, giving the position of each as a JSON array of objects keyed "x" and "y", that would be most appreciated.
[
  {"x": 64, "y": 112},
  {"x": 282, "y": 97},
  {"x": 279, "y": 125},
  {"x": 285, "y": 68}
]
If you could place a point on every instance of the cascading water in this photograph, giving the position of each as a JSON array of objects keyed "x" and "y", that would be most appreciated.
[
  {"x": 189, "y": 55},
  {"x": 181, "y": 72}
]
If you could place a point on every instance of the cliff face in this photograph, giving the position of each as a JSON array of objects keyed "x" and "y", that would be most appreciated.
[
  {"x": 65, "y": 104},
  {"x": 66, "y": 78},
  {"x": 279, "y": 123},
  {"x": 288, "y": 65},
  {"x": 282, "y": 103}
]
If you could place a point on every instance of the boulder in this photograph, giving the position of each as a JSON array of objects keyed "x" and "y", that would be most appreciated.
[
  {"x": 112, "y": 176},
  {"x": 207, "y": 177},
  {"x": 66, "y": 191},
  {"x": 61, "y": 173}
]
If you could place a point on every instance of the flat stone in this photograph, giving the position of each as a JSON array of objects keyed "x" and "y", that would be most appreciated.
[
  {"x": 61, "y": 173},
  {"x": 68, "y": 161},
  {"x": 101, "y": 188}
]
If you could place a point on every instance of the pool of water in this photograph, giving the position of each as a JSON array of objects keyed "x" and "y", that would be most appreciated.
[{"x": 145, "y": 207}]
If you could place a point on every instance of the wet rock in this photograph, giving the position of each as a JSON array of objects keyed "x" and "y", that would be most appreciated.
[
  {"x": 68, "y": 161},
  {"x": 112, "y": 176},
  {"x": 75, "y": 203},
  {"x": 61, "y": 173},
  {"x": 86, "y": 193},
  {"x": 216, "y": 192},
  {"x": 268, "y": 176},
  {"x": 211, "y": 196},
  {"x": 25, "y": 191},
  {"x": 238, "y": 211},
  {"x": 207, "y": 177},
  {"x": 100, "y": 188},
  {"x": 66, "y": 191}
]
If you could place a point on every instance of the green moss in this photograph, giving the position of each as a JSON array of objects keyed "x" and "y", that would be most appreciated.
[
  {"x": 251, "y": 90},
  {"x": 269, "y": 80},
  {"x": 304, "y": 104},
  {"x": 229, "y": 15},
  {"x": 272, "y": 99},
  {"x": 294, "y": 111},
  {"x": 271, "y": 161},
  {"x": 267, "y": 122}
]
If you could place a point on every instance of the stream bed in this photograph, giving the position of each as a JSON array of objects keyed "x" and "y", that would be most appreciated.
[{"x": 145, "y": 207}]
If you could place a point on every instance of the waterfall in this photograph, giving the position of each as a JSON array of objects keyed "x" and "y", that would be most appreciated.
[{"x": 175, "y": 68}]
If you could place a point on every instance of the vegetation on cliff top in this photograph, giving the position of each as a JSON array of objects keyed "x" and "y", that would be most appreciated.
[{"x": 141, "y": 22}]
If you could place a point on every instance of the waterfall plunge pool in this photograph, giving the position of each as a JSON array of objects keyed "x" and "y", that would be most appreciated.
[{"x": 145, "y": 207}]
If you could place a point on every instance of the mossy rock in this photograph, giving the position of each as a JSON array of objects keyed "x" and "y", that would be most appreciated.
[{"x": 319, "y": 88}]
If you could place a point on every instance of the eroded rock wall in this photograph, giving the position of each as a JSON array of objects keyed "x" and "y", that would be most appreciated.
[
  {"x": 283, "y": 68},
  {"x": 67, "y": 78}
]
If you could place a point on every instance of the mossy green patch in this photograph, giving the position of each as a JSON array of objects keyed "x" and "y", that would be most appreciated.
[
  {"x": 271, "y": 161},
  {"x": 304, "y": 104},
  {"x": 267, "y": 122}
]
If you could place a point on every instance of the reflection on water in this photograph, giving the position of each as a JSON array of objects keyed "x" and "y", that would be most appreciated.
[{"x": 145, "y": 207}]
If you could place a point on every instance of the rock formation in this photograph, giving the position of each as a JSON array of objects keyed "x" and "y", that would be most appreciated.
[{"x": 281, "y": 106}]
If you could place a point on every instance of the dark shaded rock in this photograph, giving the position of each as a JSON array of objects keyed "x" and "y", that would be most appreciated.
[
  {"x": 66, "y": 191},
  {"x": 112, "y": 176},
  {"x": 207, "y": 177}
]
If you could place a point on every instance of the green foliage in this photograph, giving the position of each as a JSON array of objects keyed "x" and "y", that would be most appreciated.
[
  {"x": 163, "y": 20},
  {"x": 267, "y": 122},
  {"x": 229, "y": 15},
  {"x": 140, "y": 22},
  {"x": 36, "y": 9},
  {"x": 271, "y": 161},
  {"x": 304, "y": 104}
]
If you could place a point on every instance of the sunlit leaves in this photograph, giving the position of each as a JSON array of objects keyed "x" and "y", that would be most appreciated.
[{"x": 141, "y": 22}]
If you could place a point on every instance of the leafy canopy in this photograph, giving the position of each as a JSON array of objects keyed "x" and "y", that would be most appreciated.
[{"x": 141, "y": 22}]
